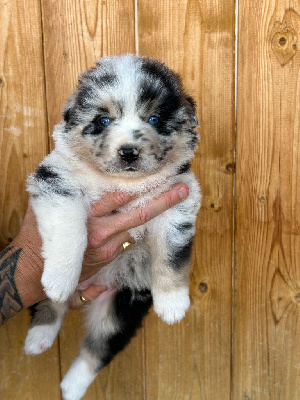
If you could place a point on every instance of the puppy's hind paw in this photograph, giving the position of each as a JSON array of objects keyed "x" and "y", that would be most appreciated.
[
  {"x": 172, "y": 306},
  {"x": 40, "y": 338},
  {"x": 77, "y": 380}
]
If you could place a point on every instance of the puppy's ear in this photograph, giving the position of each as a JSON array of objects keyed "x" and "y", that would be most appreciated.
[
  {"x": 67, "y": 114},
  {"x": 192, "y": 109},
  {"x": 68, "y": 110}
]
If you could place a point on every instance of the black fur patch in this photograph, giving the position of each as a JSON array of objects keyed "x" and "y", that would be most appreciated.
[
  {"x": 159, "y": 71},
  {"x": 184, "y": 168},
  {"x": 194, "y": 139},
  {"x": 104, "y": 80},
  {"x": 184, "y": 227},
  {"x": 192, "y": 103},
  {"x": 182, "y": 255},
  {"x": 67, "y": 114},
  {"x": 42, "y": 313},
  {"x": 130, "y": 308},
  {"x": 45, "y": 173},
  {"x": 84, "y": 98},
  {"x": 149, "y": 92},
  {"x": 48, "y": 175},
  {"x": 95, "y": 128}
]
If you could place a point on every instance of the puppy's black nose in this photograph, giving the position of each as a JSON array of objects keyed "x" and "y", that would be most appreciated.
[{"x": 129, "y": 154}]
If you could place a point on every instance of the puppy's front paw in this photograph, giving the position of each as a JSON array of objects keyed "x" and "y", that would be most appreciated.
[
  {"x": 171, "y": 306},
  {"x": 56, "y": 287}
]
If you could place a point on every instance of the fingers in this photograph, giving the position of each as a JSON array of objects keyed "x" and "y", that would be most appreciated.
[
  {"x": 110, "y": 202},
  {"x": 107, "y": 252},
  {"x": 91, "y": 293},
  {"x": 119, "y": 222}
]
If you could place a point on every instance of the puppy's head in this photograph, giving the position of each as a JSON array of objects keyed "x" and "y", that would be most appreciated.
[{"x": 130, "y": 117}]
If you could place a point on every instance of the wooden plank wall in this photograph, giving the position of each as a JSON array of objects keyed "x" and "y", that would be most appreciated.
[
  {"x": 267, "y": 273},
  {"x": 239, "y": 339}
]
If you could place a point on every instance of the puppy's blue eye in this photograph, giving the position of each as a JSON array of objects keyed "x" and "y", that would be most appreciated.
[
  {"x": 153, "y": 120},
  {"x": 104, "y": 121}
]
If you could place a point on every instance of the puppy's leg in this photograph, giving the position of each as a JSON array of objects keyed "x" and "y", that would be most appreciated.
[
  {"x": 113, "y": 320},
  {"x": 62, "y": 225},
  {"x": 47, "y": 318},
  {"x": 171, "y": 246}
]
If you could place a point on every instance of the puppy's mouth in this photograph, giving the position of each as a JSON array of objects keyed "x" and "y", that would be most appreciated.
[
  {"x": 131, "y": 169},
  {"x": 134, "y": 170},
  {"x": 134, "y": 167},
  {"x": 120, "y": 168}
]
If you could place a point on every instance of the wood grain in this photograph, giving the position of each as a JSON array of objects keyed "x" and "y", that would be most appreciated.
[
  {"x": 23, "y": 143},
  {"x": 22, "y": 109},
  {"x": 192, "y": 359},
  {"x": 26, "y": 377},
  {"x": 267, "y": 281},
  {"x": 76, "y": 33}
]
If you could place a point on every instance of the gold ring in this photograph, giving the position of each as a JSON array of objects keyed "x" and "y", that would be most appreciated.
[
  {"x": 83, "y": 299},
  {"x": 126, "y": 246}
]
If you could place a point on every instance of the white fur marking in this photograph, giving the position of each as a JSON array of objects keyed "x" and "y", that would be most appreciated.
[
  {"x": 77, "y": 380},
  {"x": 172, "y": 306},
  {"x": 40, "y": 338}
]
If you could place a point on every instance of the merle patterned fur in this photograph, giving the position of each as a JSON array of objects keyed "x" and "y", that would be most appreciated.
[{"x": 129, "y": 126}]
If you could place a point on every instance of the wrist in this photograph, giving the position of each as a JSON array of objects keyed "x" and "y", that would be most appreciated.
[
  {"x": 30, "y": 264},
  {"x": 29, "y": 271}
]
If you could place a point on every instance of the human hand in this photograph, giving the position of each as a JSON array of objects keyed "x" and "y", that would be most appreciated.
[
  {"x": 89, "y": 294},
  {"x": 108, "y": 229}
]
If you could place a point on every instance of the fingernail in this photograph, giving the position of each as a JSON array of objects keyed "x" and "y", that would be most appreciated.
[{"x": 183, "y": 192}]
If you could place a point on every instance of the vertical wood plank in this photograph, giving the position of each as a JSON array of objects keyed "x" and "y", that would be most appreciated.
[
  {"x": 267, "y": 281},
  {"x": 23, "y": 143},
  {"x": 22, "y": 109},
  {"x": 192, "y": 360},
  {"x": 76, "y": 33},
  {"x": 22, "y": 376}
]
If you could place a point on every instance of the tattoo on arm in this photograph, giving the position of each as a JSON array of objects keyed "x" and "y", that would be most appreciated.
[{"x": 10, "y": 301}]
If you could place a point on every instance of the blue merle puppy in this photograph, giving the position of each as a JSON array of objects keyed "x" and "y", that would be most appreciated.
[{"x": 129, "y": 126}]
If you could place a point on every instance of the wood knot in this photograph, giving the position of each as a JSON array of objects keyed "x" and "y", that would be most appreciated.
[
  {"x": 262, "y": 199},
  {"x": 284, "y": 45},
  {"x": 297, "y": 298},
  {"x": 213, "y": 204},
  {"x": 284, "y": 36},
  {"x": 230, "y": 168},
  {"x": 282, "y": 41},
  {"x": 203, "y": 287}
]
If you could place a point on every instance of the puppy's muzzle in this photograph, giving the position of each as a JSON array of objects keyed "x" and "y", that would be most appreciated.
[{"x": 129, "y": 154}]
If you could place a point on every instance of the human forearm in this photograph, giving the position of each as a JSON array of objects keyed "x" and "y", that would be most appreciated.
[
  {"x": 21, "y": 263},
  {"x": 21, "y": 268}
]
